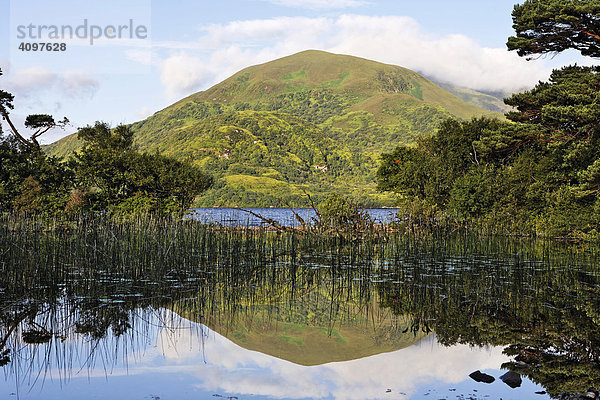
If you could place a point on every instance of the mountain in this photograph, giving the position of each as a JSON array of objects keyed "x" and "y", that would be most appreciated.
[
  {"x": 488, "y": 101},
  {"x": 312, "y": 121}
]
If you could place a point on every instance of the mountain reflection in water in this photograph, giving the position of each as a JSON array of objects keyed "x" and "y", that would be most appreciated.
[{"x": 181, "y": 310}]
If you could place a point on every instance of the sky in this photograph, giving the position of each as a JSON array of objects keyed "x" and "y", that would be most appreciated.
[{"x": 132, "y": 58}]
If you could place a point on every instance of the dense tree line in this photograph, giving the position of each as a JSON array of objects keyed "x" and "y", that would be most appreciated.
[
  {"x": 106, "y": 175},
  {"x": 540, "y": 172}
]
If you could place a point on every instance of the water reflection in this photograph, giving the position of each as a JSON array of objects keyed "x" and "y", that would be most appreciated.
[
  {"x": 225, "y": 366},
  {"x": 187, "y": 360},
  {"x": 189, "y": 311}
]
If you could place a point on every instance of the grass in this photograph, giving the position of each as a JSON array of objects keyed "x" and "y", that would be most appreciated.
[
  {"x": 294, "y": 75},
  {"x": 417, "y": 92},
  {"x": 335, "y": 83}
]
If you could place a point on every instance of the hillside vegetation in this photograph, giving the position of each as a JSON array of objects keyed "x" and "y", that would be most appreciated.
[{"x": 313, "y": 121}]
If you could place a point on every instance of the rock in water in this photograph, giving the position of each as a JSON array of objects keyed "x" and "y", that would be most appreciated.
[
  {"x": 591, "y": 394},
  {"x": 512, "y": 379},
  {"x": 479, "y": 376}
]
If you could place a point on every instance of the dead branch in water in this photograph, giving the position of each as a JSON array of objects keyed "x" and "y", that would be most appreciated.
[
  {"x": 298, "y": 217},
  {"x": 314, "y": 207},
  {"x": 271, "y": 222}
]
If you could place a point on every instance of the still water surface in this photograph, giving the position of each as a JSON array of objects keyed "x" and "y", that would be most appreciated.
[
  {"x": 182, "y": 311},
  {"x": 285, "y": 216}
]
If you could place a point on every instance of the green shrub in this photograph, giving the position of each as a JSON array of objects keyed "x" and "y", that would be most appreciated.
[{"x": 340, "y": 212}]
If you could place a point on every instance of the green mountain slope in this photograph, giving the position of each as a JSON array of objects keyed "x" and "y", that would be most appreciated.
[
  {"x": 487, "y": 101},
  {"x": 313, "y": 121}
]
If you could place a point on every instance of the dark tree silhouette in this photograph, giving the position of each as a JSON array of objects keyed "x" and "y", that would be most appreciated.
[{"x": 552, "y": 26}]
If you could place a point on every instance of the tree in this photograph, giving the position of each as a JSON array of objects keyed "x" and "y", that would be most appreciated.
[
  {"x": 404, "y": 171},
  {"x": 429, "y": 170},
  {"x": 552, "y": 26},
  {"x": 565, "y": 108},
  {"x": 41, "y": 123},
  {"x": 119, "y": 179},
  {"x": 338, "y": 212},
  {"x": 30, "y": 181},
  {"x": 100, "y": 136}
]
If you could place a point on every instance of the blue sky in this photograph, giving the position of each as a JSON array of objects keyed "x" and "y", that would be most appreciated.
[{"x": 192, "y": 45}]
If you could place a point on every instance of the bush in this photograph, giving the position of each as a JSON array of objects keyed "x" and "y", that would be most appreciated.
[{"x": 340, "y": 212}]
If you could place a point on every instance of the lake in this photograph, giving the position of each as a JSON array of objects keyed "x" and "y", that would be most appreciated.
[
  {"x": 285, "y": 216},
  {"x": 179, "y": 310}
]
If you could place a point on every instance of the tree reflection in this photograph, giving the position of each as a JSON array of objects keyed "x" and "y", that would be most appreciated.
[{"x": 546, "y": 314}]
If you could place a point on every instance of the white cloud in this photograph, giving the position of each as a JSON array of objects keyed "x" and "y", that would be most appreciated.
[
  {"x": 31, "y": 79},
  {"x": 183, "y": 73},
  {"x": 237, "y": 370},
  {"x": 223, "y": 49},
  {"x": 318, "y": 4},
  {"x": 144, "y": 113},
  {"x": 39, "y": 90},
  {"x": 73, "y": 84},
  {"x": 181, "y": 359},
  {"x": 76, "y": 84},
  {"x": 141, "y": 55}
]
